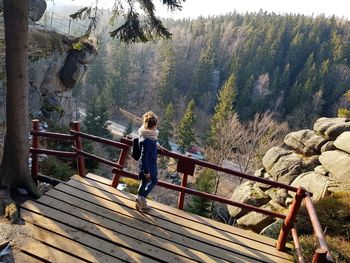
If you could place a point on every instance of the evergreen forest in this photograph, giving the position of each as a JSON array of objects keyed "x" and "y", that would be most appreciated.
[{"x": 295, "y": 66}]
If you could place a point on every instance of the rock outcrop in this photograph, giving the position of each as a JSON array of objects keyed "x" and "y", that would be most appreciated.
[
  {"x": 75, "y": 64},
  {"x": 337, "y": 163},
  {"x": 36, "y": 8},
  {"x": 249, "y": 194},
  {"x": 343, "y": 142},
  {"x": 307, "y": 142},
  {"x": 52, "y": 78},
  {"x": 318, "y": 160},
  {"x": 55, "y": 68}
]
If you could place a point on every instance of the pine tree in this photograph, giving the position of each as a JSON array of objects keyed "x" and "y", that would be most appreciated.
[
  {"x": 135, "y": 27},
  {"x": 166, "y": 86},
  {"x": 95, "y": 123},
  {"x": 345, "y": 112},
  {"x": 14, "y": 163},
  {"x": 96, "y": 75},
  {"x": 166, "y": 129},
  {"x": 128, "y": 129},
  {"x": 185, "y": 130},
  {"x": 203, "y": 75},
  {"x": 205, "y": 182},
  {"x": 223, "y": 108},
  {"x": 96, "y": 118},
  {"x": 118, "y": 78}
]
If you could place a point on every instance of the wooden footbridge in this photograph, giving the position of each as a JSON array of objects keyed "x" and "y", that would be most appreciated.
[{"x": 88, "y": 220}]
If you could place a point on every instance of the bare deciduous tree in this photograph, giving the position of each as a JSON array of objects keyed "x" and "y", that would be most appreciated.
[{"x": 242, "y": 146}]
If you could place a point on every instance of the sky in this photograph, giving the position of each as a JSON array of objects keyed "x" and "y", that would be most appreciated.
[{"x": 195, "y": 8}]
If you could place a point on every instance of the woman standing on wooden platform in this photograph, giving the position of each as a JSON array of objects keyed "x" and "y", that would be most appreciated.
[{"x": 148, "y": 173}]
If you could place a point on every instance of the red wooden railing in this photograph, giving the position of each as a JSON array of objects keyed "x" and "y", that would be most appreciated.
[{"x": 186, "y": 166}]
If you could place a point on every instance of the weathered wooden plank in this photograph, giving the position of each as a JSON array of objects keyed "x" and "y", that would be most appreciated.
[
  {"x": 22, "y": 257},
  {"x": 147, "y": 232},
  {"x": 118, "y": 253},
  {"x": 96, "y": 178},
  {"x": 100, "y": 183},
  {"x": 47, "y": 253},
  {"x": 212, "y": 237},
  {"x": 140, "y": 246},
  {"x": 207, "y": 225},
  {"x": 71, "y": 246}
]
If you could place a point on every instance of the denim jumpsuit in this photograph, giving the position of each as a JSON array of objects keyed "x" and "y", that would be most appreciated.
[{"x": 148, "y": 164}]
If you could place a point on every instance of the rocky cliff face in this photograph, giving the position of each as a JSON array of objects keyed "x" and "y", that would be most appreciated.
[
  {"x": 36, "y": 8},
  {"x": 54, "y": 70},
  {"x": 53, "y": 77},
  {"x": 318, "y": 160}
]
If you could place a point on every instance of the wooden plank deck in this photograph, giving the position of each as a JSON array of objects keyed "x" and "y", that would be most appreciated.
[{"x": 86, "y": 220}]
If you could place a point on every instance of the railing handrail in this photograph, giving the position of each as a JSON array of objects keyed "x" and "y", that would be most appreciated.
[
  {"x": 49, "y": 21},
  {"x": 97, "y": 158},
  {"x": 297, "y": 245},
  {"x": 53, "y": 135},
  {"x": 317, "y": 225},
  {"x": 53, "y": 152},
  {"x": 167, "y": 153},
  {"x": 204, "y": 195},
  {"x": 101, "y": 140},
  {"x": 178, "y": 156},
  {"x": 117, "y": 169}
]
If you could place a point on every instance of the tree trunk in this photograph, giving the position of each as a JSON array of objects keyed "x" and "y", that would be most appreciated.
[{"x": 14, "y": 166}]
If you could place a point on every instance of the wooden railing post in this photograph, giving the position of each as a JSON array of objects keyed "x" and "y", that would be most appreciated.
[
  {"x": 297, "y": 246},
  {"x": 289, "y": 221},
  {"x": 122, "y": 158},
  {"x": 79, "y": 146},
  {"x": 318, "y": 231},
  {"x": 180, "y": 203},
  {"x": 320, "y": 256},
  {"x": 186, "y": 167},
  {"x": 35, "y": 145}
]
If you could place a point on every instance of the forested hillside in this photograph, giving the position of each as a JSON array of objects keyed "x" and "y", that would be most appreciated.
[{"x": 293, "y": 65}]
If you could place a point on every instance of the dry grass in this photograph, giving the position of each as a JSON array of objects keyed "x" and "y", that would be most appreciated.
[
  {"x": 334, "y": 215},
  {"x": 44, "y": 43},
  {"x": 339, "y": 247},
  {"x": 48, "y": 40},
  {"x": 131, "y": 185}
]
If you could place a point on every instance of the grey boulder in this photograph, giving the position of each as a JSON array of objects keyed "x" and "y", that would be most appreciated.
[
  {"x": 343, "y": 142},
  {"x": 337, "y": 163},
  {"x": 312, "y": 182},
  {"x": 305, "y": 141},
  {"x": 247, "y": 193},
  {"x": 322, "y": 124}
]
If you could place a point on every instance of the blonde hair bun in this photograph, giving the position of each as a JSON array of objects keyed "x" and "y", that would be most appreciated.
[{"x": 149, "y": 119}]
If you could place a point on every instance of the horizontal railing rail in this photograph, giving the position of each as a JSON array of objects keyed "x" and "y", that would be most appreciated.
[
  {"x": 204, "y": 195},
  {"x": 101, "y": 140},
  {"x": 97, "y": 158},
  {"x": 187, "y": 167},
  {"x": 53, "y": 152},
  {"x": 178, "y": 156},
  {"x": 53, "y": 135},
  {"x": 65, "y": 25}
]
